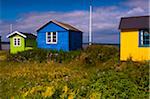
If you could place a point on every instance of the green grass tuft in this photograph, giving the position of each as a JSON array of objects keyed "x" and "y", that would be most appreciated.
[{"x": 93, "y": 73}]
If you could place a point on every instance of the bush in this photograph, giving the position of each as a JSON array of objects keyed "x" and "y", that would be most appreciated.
[
  {"x": 41, "y": 55},
  {"x": 107, "y": 80},
  {"x": 90, "y": 56},
  {"x": 99, "y": 54},
  {"x": 29, "y": 55},
  {"x": 139, "y": 73},
  {"x": 114, "y": 85}
]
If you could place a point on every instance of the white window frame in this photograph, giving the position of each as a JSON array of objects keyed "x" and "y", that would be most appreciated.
[
  {"x": 51, "y": 33},
  {"x": 17, "y": 39},
  {"x": 141, "y": 43},
  {"x": 141, "y": 37}
]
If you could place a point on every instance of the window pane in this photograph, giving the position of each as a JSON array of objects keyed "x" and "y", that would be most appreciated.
[
  {"x": 54, "y": 36},
  {"x": 49, "y": 33},
  {"x": 145, "y": 37},
  {"x": 54, "y": 40},
  {"x": 49, "y": 40},
  {"x": 14, "y": 41},
  {"x": 18, "y": 41},
  {"x": 48, "y": 37},
  {"x": 146, "y": 42},
  {"x": 54, "y": 33}
]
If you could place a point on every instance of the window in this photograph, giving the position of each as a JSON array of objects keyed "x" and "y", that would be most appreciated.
[
  {"x": 51, "y": 37},
  {"x": 17, "y": 41},
  {"x": 144, "y": 37}
]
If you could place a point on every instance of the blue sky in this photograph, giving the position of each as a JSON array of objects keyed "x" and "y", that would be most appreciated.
[
  {"x": 29, "y": 15},
  {"x": 12, "y": 9}
]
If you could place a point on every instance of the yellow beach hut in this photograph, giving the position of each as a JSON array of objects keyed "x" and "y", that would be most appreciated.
[{"x": 135, "y": 38}]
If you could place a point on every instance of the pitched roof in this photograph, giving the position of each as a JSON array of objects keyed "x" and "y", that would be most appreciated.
[
  {"x": 63, "y": 25},
  {"x": 29, "y": 35},
  {"x": 138, "y": 22},
  {"x": 24, "y": 35}
]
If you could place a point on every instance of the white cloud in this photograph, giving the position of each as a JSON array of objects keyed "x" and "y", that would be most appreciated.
[
  {"x": 137, "y": 3},
  {"x": 138, "y": 6},
  {"x": 135, "y": 11},
  {"x": 105, "y": 20}
]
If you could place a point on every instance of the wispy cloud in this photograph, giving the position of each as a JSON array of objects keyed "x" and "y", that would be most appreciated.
[
  {"x": 105, "y": 20},
  {"x": 137, "y": 3}
]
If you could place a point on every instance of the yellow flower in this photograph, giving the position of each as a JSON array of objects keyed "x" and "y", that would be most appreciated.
[
  {"x": 32, "y": 90},
  {"x": 12, "y": 97},
  {"x": 71, "y": 96},
  {"x": 65, "y": 89},
  {"x": 95, "y": 95},
  {"x": 25, "y": 94},
  {"x": 49, "y": 92}
]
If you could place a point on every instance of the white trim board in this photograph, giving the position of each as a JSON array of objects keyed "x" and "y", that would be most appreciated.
[
  {"x": 51, "y": 38},
  {"x": 16, "y": 32}
]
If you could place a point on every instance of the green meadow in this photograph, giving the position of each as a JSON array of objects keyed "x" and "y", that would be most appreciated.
[{"x": 91, "y": 73}]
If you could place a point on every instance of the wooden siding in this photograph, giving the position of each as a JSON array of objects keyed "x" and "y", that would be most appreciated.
[
  {"x": 129, "y": 46},
  {"x": 14, "y": 49},
  {"x": 26, "y": 44},
  {"x": 75, "y": 40},
  {"x": 30, "y": 43},
  {"x": 63, "y": 38}
]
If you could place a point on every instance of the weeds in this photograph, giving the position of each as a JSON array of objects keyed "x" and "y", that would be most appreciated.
[{"x": 94, "y": 73}]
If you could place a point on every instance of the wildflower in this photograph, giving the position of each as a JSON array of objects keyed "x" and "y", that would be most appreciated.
[
  {"x": 49, "y": 92},
  {"x": 95, "y": 95},
  {"x": 12, "y": 97},
  {"x": 65, "y": 89},
  {"x": 32, "y": 90},
  {"x": 25, "y": 94},
  {"x": 70, "y": 96}
]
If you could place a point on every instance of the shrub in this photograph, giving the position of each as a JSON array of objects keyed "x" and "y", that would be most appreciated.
[
  {"x": 111, "y": 84},
  {"x": 139, "y": 73},
  {"x": 90, "y": 56},
  {"x": 57, "y": 81},
  {"x": 29, "y": 55},
  {"x": 41, "y": 55},
  {"x": 98, "y": 54}
]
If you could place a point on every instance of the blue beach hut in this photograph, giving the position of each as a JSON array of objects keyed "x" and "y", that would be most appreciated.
[{"x": 59, "y": 36}]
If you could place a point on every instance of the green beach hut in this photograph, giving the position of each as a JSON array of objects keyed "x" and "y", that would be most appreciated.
[{"x": 20, "y": 41}]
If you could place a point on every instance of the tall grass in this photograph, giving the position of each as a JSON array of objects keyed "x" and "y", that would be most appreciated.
[{"x": 94, "y": 73}]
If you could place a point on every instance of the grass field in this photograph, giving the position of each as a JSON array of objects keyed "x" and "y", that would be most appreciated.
[{"x": 74, "y": 79}]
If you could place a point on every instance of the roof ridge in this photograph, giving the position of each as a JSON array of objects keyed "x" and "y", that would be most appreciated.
[
  {"x": 135, "y": 16},
  {"x": 67, "y": 24},
  {"x": 59, "y": 23},
  {"x": 25, "y": 35},
  {"x": 63, "y": 25}
]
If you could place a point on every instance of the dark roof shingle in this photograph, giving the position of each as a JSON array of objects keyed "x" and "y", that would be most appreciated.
[
  {"x": 29, "y": 35},
  {"x": 139, "y": 22},
  {"x": 64, "y": 25}
]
